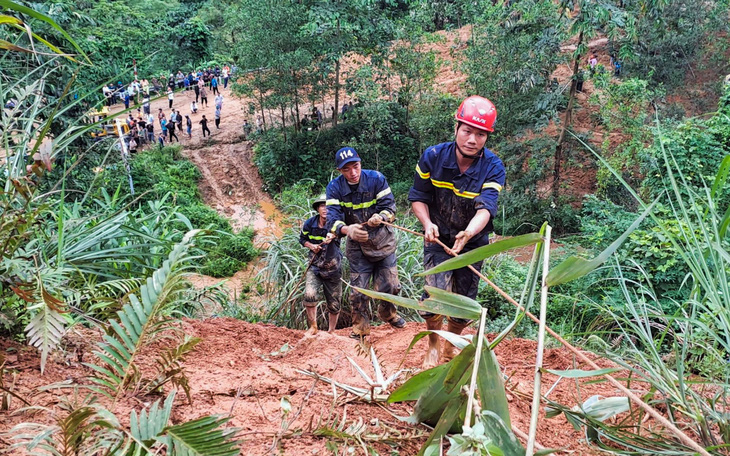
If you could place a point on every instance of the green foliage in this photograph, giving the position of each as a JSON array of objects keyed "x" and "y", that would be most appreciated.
[
  {"x": 85, "y": 428},
  {"x": 378, "y": 132},
  {"x": 431, "y": 118},
  {"x": 622, "y": 107},
  {"x": 671, "y": 36},
  {"x": 602, "y": 221},
  {"x": 696, "y": 148},
  {"x": 230, "y": 255},
  {"x": 523, "y": 42}
]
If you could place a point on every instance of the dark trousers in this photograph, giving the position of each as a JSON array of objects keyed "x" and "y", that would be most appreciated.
[
  {"x": 205, "y": 128},
  {"x": 173, "y": 135},
  {"x": 384, "y": 277},
  {"x": 204, "y": 100},
  {"x": 460, "y": 281},
  {"x": 218, "y": 124}
]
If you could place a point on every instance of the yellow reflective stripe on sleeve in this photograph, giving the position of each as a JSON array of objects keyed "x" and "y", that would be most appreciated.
[
  {"x": 332, "y": 202},
  {"x": 387, "y": 214},
  {"x": 493, "y": 185},
  {"x": 337, "y": 224},
  {"x": 383, "y": 193},
  {"x": 358, "y": 206},
  {"x": 450, "y": 186},
  {"x": 305, "y": 232},
  {"x": 316, "y": 238},
  {"x": 422, "y": 174}
]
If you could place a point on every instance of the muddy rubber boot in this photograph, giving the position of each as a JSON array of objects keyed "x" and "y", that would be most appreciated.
[
  {"x": 333, "y": 322},
  {"x": 456, "y": 328},
  {"x": 311, "y": 310},
  {"x": 433, "y": 323}
]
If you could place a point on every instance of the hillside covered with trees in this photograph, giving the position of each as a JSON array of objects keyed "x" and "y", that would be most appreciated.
[{"x": 614, "y": 128}]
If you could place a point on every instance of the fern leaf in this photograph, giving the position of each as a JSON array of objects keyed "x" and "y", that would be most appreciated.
[
  {"x": 140, "y": 321},
  {"x": 145, "y": 429},
  {"x": 45, "y": 331},
  {"x": 203, "y": 437},
  {"x": 169, "y": 368}
]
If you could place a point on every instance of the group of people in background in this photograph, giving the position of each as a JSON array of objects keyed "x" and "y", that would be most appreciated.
[{"x": 141, "y": 127}]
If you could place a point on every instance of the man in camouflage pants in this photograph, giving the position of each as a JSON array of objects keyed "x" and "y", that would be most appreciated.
[
  {"x": 325, "y": 270},
  {"x": 358, "y": 201}
]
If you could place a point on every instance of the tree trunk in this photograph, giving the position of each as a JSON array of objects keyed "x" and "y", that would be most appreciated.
[
  {"x": 261, "y": 104},
  {"x": 567, "y": 120},
  {"x": 296, "y": 101},
  {"x": 283, "y": 121},
  {"x": 337, "y": 93}
]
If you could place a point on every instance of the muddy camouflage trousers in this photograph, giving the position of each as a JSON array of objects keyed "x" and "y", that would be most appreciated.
[
  {"x": 384, "y": 277},
  {"x": 330, "y": 283},
  {"x": 460, "y": 281}
]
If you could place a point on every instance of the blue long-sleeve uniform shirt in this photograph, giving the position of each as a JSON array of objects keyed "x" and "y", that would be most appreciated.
[
  {"x": 453, "y": 197},
  {"x": 330, "y": 258},
  {"x": 346, "y": 206}
]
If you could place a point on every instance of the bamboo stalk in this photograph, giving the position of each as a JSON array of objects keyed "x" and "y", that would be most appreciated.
[
  {"x": 684, "y": 438},
  {"x": 532, "y": 433},
  {"x": 475, "y": 369}
]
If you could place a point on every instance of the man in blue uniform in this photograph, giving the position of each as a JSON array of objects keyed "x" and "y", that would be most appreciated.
[
  {"x": 358, "y": 200},
  {"x": 325, "y": 271},
  {"x": 454, "y": 195}
]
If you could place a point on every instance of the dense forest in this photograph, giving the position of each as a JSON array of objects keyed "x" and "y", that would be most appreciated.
[{"x": 613, "y": 125}]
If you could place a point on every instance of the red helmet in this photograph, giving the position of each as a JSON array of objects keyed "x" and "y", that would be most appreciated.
[{"x": 478, "y": 112}]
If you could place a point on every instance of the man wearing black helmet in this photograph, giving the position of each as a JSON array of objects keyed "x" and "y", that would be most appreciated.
[
  {"x": 358, "y": 201},
  {"x": 325, "y": 270},
  {"x": 454, "y": 196}
]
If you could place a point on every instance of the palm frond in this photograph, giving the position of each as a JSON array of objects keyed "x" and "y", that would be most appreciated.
[
  {"x": 169, "y": 368},
  {"x": 145, "y": 428},
  {"x": 203, "y": 437},
  {"x": 139, "y": 320},
  {"x": 47, "y": 327}
]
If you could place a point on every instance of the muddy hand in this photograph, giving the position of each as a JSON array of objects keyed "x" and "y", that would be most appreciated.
[
  {"x": 375, "y": 220},
  {"x": 431, "y": 232},
  {"x": 357, "y": 233},
  {"x": 461, "y": 239}
]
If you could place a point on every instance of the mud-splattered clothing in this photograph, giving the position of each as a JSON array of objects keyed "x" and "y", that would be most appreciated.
[
  {"x": 373, "y": 260},
  {"x": 453, "y": 199},
  {"x": 326, "y": 269}
]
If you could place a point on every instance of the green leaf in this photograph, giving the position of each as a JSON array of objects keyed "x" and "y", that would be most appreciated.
[
  {"x": 478, "y": 254},
  {"x": 432, "y": 403},
  {"x": 578, "y": 373},
  {"x": 439, "y": 302},
  {"x": 203, "y": 437},
  {"x": 448, "y": 417},
  {"x": 490, "y": 384},
  {"x": 500, "y": 435},
  {"x": 417, "y": 385},
  {"x": 721, "y": 177},
  {"x": 574, "y": 268},
  {"x": 10, "y": 5}
]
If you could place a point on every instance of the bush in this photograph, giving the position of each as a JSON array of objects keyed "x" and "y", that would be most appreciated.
[
  {"x": 230, "y": 255},
  {"x": 202, "y": 216}
]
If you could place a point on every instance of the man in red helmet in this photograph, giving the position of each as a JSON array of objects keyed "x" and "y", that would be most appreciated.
[{"x": 454, "y": 195}]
